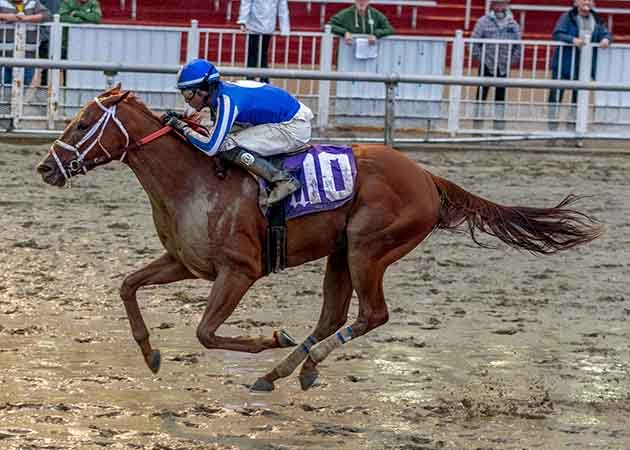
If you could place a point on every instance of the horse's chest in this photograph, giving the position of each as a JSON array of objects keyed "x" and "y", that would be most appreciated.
[
  {"x": 196, "y": 229},
  {"x": 183, "y": 230}
]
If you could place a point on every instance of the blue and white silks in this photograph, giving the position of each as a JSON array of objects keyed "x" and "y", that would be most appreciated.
[{"x": 246, "y": 103}]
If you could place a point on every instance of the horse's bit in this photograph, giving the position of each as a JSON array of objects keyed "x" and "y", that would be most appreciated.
[{"x": 80, "y": 164}]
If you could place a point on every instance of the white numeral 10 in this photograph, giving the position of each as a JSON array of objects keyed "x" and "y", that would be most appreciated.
[{"x": 330, "y": 190}]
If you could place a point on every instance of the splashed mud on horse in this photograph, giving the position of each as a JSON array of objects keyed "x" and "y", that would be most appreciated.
[{"x": 212, "y": 228}]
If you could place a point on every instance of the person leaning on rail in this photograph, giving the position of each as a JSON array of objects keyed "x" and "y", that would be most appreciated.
[
  {"x": 361, "y": 18},
  {"x": 273, "y": 122},
  {"x": 579, "y": 26},
  {"x": 18, "y": 11}
]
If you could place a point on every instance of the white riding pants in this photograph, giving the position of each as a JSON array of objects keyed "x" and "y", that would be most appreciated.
[{"x": 274, "y": 138}]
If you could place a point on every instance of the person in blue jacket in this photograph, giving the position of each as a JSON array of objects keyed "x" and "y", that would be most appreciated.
[
  {"x": 271, "y": 122},
  {"x": 579, "y": 26}
]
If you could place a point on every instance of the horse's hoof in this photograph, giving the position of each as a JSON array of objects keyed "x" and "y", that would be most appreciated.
[
  {"x": 284, "y": 340},
  {"x": 308, "y": 378},
  {"x": 154, "y": 360},
  {"x": 262, "y": 385}
]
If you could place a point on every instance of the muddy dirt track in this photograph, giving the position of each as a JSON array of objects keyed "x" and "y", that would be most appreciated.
[{"x": 485, "y": 349}]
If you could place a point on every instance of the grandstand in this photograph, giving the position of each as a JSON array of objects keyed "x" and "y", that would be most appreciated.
[{"x": 537, "y": 16}]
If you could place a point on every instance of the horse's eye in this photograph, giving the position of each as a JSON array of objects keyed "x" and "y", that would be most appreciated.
[{"x": 82, "y": 126}]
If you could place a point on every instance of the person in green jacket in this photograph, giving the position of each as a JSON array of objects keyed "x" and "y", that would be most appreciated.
[
  {"x": 80, "y": 11},
  {"x": 361, "y": 19},
  {"x": 77, "y": 11}
]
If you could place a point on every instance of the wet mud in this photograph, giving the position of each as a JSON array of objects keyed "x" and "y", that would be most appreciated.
[{"x": 485, "y": 349}]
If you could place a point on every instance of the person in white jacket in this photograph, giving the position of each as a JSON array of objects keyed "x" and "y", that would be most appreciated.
[{"x": 258, "y": 19}]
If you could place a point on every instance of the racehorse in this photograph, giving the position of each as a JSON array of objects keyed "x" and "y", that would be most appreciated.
[{"x": 212, "y": 228}]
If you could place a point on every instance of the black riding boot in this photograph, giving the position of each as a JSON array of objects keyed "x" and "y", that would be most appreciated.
[{"x": 282, "y": 182}]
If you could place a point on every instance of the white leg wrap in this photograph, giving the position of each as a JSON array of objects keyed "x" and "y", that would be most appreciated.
[
  {"x": 295, "y": 358},
  {"x": 322, "y": 350}
]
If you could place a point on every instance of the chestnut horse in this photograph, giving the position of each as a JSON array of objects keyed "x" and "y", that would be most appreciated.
[{"x": 212, "y": 228}]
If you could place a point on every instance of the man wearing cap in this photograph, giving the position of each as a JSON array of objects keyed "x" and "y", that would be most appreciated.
[{"x": 497, "y": 24}]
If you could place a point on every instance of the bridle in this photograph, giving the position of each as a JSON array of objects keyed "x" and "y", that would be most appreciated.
[{"x": 80, "y": 163}]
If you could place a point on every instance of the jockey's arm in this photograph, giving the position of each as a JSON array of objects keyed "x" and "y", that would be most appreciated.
[{"x": 226, "y": 115}]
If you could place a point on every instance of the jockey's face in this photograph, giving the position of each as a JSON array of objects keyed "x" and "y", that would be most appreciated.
[{"x": 195, "y": 98}]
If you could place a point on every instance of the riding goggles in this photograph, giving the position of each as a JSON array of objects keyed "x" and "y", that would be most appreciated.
[{"x": 188, "y": 94}]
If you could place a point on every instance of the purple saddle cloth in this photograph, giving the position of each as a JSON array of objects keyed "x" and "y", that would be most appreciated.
[{"x": 328, "y": 177}]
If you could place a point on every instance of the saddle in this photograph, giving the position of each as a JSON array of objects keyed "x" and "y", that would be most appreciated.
[{"x": 327, "y": 175}]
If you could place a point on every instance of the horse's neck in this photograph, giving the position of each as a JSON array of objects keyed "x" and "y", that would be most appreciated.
[{"x": 170, "y": 172}]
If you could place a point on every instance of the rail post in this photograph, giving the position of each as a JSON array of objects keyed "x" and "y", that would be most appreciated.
[
  {"x": 192, "y": 43},
  {"x": 586, "y": 61},
  {"x": 54, "y": 81},
  {"x": 325, "y": 65},
  {"x": 17, "y": 85},
  {"x": 390, "y": 114},
  {"x": 455, "y": 92}
]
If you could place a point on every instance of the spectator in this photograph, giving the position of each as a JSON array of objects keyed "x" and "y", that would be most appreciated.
[
  {"x": 579, "y": 26},
  {"x": 80, "y": 11},
  {"x": 361, "y": 19},
  {"x": 18, "y": 11},
  {"x": 44, "y": 39},
  {"x": 76, "y": 12},
  {"x": 493, "y": 62},
  {"x": 258, "y": 19}
]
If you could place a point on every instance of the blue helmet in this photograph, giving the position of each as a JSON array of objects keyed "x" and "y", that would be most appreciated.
[{"x": 195, "y": 73}]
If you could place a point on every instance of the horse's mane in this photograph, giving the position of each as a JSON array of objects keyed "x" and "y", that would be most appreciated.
[
  {"x": 135, "y": 101},
  {"x": 131, "y": 99}
]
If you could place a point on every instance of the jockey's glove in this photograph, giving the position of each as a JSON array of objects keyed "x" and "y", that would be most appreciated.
[
  {"x": 176, "y": 124},
  {"x": 168, "y": 115}
]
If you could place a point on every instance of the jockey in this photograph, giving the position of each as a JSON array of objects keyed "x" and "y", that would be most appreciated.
[{"x": 270, "y": 121}]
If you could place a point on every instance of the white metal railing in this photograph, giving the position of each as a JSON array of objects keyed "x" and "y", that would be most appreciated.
[
  {"x": 525, "y": 108},
  {"x": 521, "y": 59},
  {"x": 230, "y": 48}
]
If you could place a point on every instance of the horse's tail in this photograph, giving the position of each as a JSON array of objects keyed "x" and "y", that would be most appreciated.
[{"x": 537, "y": 230}]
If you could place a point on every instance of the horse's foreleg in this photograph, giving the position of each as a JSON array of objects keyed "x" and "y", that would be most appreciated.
[
  {"x": 334, "y": 313},
  {"x": 163, "y": 270},
  {"x": 368, "y": 282},
  {"x": 225, "y": 295}
]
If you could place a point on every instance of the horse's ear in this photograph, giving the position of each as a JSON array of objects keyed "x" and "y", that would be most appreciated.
[
  {"x": 112, "y": 91},
  {"x": 116, "y": 98}
]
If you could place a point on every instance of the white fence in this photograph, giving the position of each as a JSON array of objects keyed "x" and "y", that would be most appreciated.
[{"x": 453, "y": 109}]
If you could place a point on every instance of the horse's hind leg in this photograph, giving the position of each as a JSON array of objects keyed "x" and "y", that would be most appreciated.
[
  {"x": 368, "y": 282},
  {"x": 374, "y": 242},
  {"x": 163, "y": 270},
  {"x": 334, "y": 313}
]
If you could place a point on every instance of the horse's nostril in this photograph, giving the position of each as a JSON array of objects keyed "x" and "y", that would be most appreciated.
[{"x": 43, "y": 169}]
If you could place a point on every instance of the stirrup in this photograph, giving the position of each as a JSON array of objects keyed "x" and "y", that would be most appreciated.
[{"x": 281, "y": 190}]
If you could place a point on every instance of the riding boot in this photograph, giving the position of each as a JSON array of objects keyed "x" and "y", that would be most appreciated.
[{"x": 282, "y": 182}]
